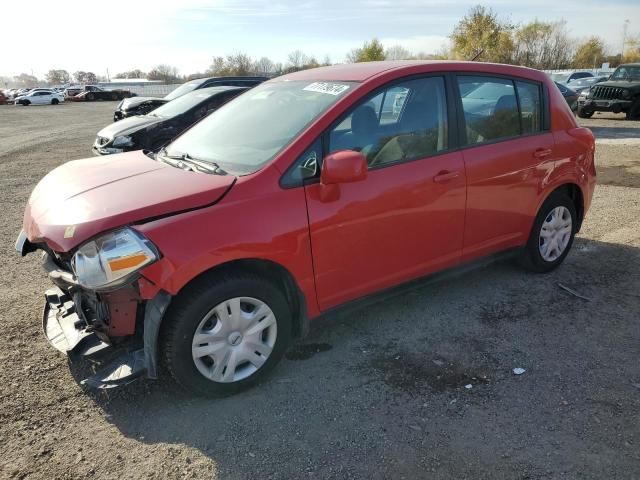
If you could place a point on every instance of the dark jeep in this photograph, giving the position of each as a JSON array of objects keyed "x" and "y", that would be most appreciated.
[{"x": 621, "y": 93}]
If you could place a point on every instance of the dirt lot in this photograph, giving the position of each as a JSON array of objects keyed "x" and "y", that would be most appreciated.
[{"x": 375, "y": 393}]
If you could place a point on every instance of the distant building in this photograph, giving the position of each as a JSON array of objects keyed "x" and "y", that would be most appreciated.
[{"x": 129, "y": 82}]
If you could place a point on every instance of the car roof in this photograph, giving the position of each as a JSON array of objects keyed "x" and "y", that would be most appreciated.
[
  {"x": 213, "y": 90},
  {"x": 359, "y": 72},
  {"x": 206, "y": 79}
]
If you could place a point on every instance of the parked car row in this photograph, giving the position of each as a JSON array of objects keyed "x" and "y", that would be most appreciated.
[
  {"x": 208, "y": 256},
  {"x": 89, "y": 93}
]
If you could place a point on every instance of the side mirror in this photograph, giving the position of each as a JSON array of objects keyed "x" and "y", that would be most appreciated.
[{"x": 343, "y": 166}]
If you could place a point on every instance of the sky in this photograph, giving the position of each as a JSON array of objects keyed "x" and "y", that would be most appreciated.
[{"x": 121, "y": 35}]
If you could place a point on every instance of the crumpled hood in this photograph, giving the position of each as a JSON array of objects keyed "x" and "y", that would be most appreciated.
[
  {"x": 133, "y": 102},
  {"x": 128, "y": 126},
  {"x": 83, "y": 198}
]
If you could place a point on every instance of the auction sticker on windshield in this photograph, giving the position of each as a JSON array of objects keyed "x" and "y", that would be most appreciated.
[{"x": 324, "y": 87}]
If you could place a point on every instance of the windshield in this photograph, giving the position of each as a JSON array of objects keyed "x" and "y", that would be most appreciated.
[
  {"x": 250, "y": 130},
  {"x": 181, "y": 105},
  {"x": 626, "y": 72},
  {"x": 560, "y": 77},
  {"x": 182, "y": 89}
]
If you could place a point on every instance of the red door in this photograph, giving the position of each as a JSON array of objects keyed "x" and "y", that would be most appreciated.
[
  {"x": 406, "y": 218},
  {"x": 513, "y": 154}
]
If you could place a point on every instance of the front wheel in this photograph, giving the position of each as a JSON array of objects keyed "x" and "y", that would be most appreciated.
[
  {"x": 552, "y": 234},
  {"x": 55, "y": 101},
  {"x": 224, "y": 333},
  {"x": 585, "y": 112}
]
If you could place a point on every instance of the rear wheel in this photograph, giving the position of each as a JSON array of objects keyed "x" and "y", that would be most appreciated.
[
  {"x": 634, "y": 111},
  {"x": 224, "y": 333},
  {"x": 552, "y": 234},
  {"x": 114, "y": 96}
]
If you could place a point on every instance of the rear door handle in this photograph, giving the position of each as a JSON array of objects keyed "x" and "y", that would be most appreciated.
[
  {"x": 444, "y": 177},
  {"x": 542, "y": 153}
]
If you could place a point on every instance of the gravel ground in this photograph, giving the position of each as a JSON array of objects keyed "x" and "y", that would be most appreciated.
[{"x": 374, "y": 393}]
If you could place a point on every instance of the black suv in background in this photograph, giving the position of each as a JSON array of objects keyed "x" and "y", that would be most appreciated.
[
  {"x": 144, "y": 105},
  {"x": 156, "y": 129},
  {"x": 621, "y": 93}
]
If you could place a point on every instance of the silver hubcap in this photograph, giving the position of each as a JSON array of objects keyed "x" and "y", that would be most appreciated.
[
  {"x": 555, "y": 234},
  {"x": 234, "y": 339}
]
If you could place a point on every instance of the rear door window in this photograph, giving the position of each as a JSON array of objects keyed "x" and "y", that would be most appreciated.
[{"x": 490, "y": 108}]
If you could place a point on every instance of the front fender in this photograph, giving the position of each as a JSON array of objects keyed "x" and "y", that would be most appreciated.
[{"x": 246, "y": 225}]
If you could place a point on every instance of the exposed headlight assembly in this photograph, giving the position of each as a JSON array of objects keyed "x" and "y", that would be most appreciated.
[
  {"x": 124, "y": 141},
  {"x": 112, "y": 259}
]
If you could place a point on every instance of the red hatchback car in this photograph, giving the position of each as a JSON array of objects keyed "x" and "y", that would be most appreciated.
[{"x": 308, "y": 191}]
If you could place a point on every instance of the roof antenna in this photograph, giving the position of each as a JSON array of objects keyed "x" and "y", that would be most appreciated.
[{"x": 475, "y": 57}]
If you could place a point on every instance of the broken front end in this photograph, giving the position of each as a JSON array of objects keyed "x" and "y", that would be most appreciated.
[{"x": 99, "y": 301}]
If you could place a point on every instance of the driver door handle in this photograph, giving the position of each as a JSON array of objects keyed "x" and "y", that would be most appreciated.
[
  {"x": 542, "y": 153},
  {"x": 446, "y": 176}
]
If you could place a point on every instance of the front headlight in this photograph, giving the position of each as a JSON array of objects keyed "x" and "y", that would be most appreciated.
[
  {"x": 625, "y": 94},
  {"x": 124, "y": 141},
  {"x": 112, "y": 259}
]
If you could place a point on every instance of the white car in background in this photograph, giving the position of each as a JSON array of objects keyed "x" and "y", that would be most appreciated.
[{"x": 40, "y": 97}]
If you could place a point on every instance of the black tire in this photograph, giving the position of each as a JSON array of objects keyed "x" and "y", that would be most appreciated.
[
  {"x": 532, "y": 258},
  {"x": 585, "y": 113},
  {"x": 90, "y": 97},
  {"x": 26, "y": 103},
  {"x": 55, "y": 101},
  {"x": 189, "y": 308},
  {"x": 634, "y": 111},
  {"x": 114, "y": 96}
]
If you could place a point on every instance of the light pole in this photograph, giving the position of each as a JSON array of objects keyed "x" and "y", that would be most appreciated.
[{"x": 624, "y": 37}]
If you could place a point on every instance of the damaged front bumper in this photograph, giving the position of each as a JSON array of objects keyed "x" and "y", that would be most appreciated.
[{"x": 87, "y": 325}]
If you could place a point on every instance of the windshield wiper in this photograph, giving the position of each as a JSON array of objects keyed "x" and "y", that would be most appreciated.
[{"x": 185, "y": 160}]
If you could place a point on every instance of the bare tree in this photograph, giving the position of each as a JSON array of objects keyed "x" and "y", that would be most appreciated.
[
  {"x": 166, "y": 73},
  {"x": 543, "y": 45},
  {"x": 136, "y": 73},
  {"x": 24, "y": 80},
  {"x": 264, "y": 66},
  {"x": 57, "y": 77},
  {"x": 236, "y": 64},
  {"x": 296, "y": 60},
  {"x": 397, "y": 52}
]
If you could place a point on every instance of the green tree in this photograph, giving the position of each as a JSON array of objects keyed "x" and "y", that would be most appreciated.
[
  {"x": 370, "y": 52},
  {"x": 589, "y": 54},
  {"x": 480, "y": 35}
]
